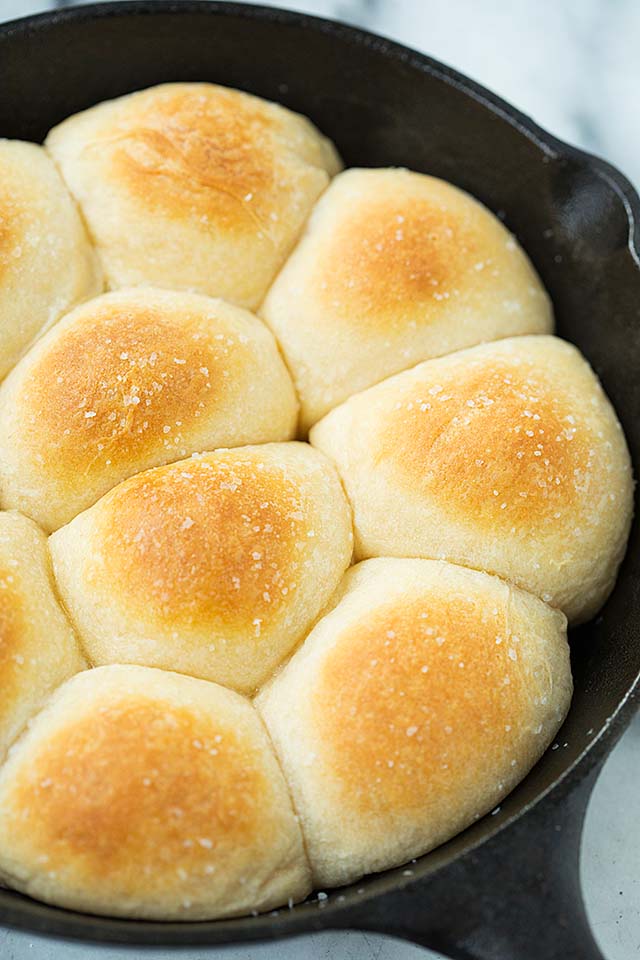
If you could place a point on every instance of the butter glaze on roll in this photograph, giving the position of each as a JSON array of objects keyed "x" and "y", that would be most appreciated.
[
  {"x": 141, "y": 793},
  {"x": 215, "y": 566},
  {"x": 132, "y": 380},
  {"x": 38, "y": 649},
  {"x": 421, "y": 699},
  {"x": 46, "y": 262},
  {"x": 506, "y": 457},
  {"x": 193, "y": 186},
  {"x": 393, "y": 268}
]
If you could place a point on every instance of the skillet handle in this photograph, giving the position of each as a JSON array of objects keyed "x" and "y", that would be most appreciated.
[{"x": 517, "y": 897}]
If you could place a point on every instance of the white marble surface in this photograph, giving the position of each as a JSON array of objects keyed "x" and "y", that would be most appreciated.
[{"x": 573, "y": 65}]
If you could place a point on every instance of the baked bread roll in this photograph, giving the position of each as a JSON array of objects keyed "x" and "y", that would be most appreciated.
[
  {"x": 412, "y": 708},
  {"x": 142, "y": 793},
  {"x": 506, "y": 457},
  {"x": 46, "y": 262},
  {"x": 215, "y": 566},
  {"x": 128, "y": 381},
  {"x": 193, "y": 186},
  {"x": 38, "y": 649},
  {"x": 394, "y": 268}
]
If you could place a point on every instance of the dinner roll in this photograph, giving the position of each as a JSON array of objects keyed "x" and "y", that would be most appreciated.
[
  {"x": 193, "y": 186},
  {"x": 46, "y": 262},
  {"x": 38, "y": 649},
  {"x": 393, "y": 268},
  {"x": 131, "y": 380},
  {"x": 142, "y": 793},
  {"x": 412, "y": 708},
  {"x": 215, "y": 566},
  {"x": 506, "y": 457}
]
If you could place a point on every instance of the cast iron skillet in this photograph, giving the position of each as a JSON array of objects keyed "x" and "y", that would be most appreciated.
[{"x": 508, "y": 887}]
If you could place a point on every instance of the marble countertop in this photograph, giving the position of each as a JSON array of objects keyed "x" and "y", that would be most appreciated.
[{"x": 574, "y": 68}]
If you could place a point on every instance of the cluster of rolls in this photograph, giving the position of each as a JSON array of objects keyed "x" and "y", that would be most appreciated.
[{"x": 205, "y": 708}]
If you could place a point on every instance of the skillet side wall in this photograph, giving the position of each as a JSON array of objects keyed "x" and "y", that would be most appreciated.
[{"x": 383, "y": 105}]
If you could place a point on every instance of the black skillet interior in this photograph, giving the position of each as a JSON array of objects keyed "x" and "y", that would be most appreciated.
[{"x": 383, "y": 105}]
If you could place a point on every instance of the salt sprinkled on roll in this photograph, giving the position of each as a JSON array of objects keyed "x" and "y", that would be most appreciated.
[
  {"x": 142, "y": 793},
  {"x": 393, "y": 268},
  {"x": 216, "y": 566},
  {"x": 47, "y": 264},
  {"x": 132, "y": 380},
  {"x": 193, "y": 186},
  {"x": 506, "y": 457},
  {"x": 413, "y": 707}
]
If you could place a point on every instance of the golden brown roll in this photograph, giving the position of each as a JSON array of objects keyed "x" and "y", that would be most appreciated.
[
  {"x": 46, "y": 261},
  {"x": 215, "y": 566},
  {"x": 412, "y": 708},
  {"x": 38, "y": 649},
  {"x": 506, "y": 457},
  {"x": 141, "y": 793},
  {"x": 131, "y": 380},
  {"x": 393, "y": 268},
  {"x": 193, "y": 186}
]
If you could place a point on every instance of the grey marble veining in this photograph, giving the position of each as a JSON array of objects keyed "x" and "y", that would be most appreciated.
[{"x": 573, "y": 66}]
